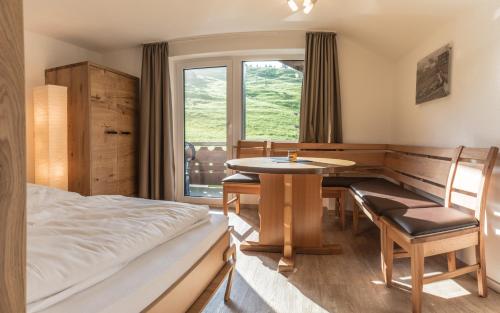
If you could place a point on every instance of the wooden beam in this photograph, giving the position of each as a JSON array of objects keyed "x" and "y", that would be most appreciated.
[{"x": 12, "y": 159}]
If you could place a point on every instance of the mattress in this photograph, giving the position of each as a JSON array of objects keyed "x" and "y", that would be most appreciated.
[{"x": 132, "y": 288}]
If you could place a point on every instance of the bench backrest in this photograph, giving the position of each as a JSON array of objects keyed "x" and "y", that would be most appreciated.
[
  {"x": 460, "y": 176},
  {"x": 424, "y": 168},
  {"x": 367, "y": 156},
  {"x": 251, "y": 149}
]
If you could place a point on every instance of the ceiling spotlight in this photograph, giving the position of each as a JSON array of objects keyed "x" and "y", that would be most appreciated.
[
  {"x": 293, "y": 5},
  {"x": 308, "y": 6}
]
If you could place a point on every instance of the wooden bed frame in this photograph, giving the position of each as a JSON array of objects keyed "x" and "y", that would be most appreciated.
[{"x": 192, "y": 292}]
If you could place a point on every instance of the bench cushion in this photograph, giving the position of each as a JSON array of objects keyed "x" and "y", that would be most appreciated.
[
  {"x": 425, "y": 221},
  {"x": 381, "y": 196},
  {"x": 346, "y": 182},
  {"x": 242, "y": 178}
]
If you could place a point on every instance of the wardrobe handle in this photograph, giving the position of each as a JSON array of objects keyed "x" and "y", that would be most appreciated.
[
  {"x": 125, "y": 133},
  {"x": 111, "y": 132}
]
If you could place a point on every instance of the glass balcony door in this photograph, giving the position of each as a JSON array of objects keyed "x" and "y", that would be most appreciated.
[
  {"x": 222, "y": 99},
  {"x": 205, "y": 92}
]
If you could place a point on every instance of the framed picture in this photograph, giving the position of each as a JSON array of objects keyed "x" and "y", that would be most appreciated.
[{"x": 433, "y": 75}]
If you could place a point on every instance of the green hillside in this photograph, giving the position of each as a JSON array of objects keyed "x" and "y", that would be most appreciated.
[{"x": 272, "y": 99}]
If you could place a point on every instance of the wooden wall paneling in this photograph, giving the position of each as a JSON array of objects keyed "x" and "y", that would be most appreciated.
[{"x": 12, "y": 159}]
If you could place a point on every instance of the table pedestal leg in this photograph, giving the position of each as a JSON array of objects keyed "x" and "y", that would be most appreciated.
[
  {"x": 286, "y": 262},
  {"x": 291, "y": 212}
]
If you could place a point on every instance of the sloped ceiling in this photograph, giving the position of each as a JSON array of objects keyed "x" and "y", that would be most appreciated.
[{"x": 390, "y": 27}]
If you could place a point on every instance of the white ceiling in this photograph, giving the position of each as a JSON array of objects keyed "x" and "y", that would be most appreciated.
[{"x": 389, "y": 26}]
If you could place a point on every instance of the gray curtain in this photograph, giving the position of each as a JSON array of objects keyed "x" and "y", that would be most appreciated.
[
  {"x": 320, "y": 111},
  {"x": 156, "y": 168}
]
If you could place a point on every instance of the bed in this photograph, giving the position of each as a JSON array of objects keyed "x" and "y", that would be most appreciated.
[{"x": 118, "y": 254}]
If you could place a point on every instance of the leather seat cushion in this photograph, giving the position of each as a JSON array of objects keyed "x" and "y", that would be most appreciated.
[
  {"x": 245, "y": 178},
  {"x": 381, "y": 195},
  {"x": 346, "y": 182},
  {"x": 425, "y": 221}
]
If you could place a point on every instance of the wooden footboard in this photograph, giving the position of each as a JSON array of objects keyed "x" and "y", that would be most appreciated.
[{"x": 193, "y": 291}]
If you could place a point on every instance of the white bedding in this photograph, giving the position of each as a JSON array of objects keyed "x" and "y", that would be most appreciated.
[
  {"x": 75, "y": 241},
  {"x": 140, "y": 282}
]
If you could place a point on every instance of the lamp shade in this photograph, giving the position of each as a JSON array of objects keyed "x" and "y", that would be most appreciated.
[{"x": 51, "y": 136}]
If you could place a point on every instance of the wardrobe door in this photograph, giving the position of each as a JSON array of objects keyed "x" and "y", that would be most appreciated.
[
  {"x": 125, "y": 94},
  {"x": 104, "y": 132},
  {"x": 76, "y": 78}
]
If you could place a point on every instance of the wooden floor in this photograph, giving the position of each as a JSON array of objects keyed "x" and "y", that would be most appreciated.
[{"x": 350, "y": 282}]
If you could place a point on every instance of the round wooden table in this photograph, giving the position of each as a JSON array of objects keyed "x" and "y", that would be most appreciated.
[{"x": 291, "y": 207}]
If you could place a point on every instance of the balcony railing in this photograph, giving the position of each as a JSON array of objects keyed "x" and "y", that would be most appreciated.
[{"x": 204, "y": 168}]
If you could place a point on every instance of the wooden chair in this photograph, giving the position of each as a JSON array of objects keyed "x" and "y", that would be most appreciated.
[
  {"x": 339, "y": 194},
  {"x": 243, "y": 183},
  {"x": 423, "y": 232}
]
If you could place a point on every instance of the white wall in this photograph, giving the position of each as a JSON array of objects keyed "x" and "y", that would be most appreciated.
[
  {"x": 42, "y": 52},
  {"x": 130, "y": 60},
  {"x": 471, "y": 114},
  {"x": 125, "y": 60},
  {"x": 366, "y": 88}
]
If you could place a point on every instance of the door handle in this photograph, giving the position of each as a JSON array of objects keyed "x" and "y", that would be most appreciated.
[
  {"x": 125, "y": 133},
  {"x": 111, "y": 132}
]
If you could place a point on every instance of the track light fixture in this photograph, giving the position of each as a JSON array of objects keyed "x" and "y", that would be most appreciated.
[
  {"x": 307, "y": 5},
  {"x": 293, "y": 5}
]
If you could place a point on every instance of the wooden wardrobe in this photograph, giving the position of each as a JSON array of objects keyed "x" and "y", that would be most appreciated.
[{"x": 103, "y": 117}]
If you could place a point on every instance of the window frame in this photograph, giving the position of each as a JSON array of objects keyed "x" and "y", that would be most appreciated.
[
  {"x": 234, "y": 63},
  {"x": 243, "y": 106}
]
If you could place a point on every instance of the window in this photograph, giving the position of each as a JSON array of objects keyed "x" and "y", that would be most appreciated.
[
  {"x": 219, "y": 100},
  {"x": 271, "y": 100}
]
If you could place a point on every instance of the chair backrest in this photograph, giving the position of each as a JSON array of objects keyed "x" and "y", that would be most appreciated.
[
  {"x": 469, "y": 179},
  {"x": 459, "y": 175},
  {"x": 251, "y": 149}
]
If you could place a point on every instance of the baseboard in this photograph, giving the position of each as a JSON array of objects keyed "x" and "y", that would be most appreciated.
[{"x": 493, "y": 284}]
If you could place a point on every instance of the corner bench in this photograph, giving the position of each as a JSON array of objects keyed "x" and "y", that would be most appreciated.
[
  {"x": 409, "y": 211},
  {"x": 422, "y": 227}
]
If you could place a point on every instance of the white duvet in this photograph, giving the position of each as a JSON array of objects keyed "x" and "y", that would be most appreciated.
[{"x": 74, "y": 240}]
